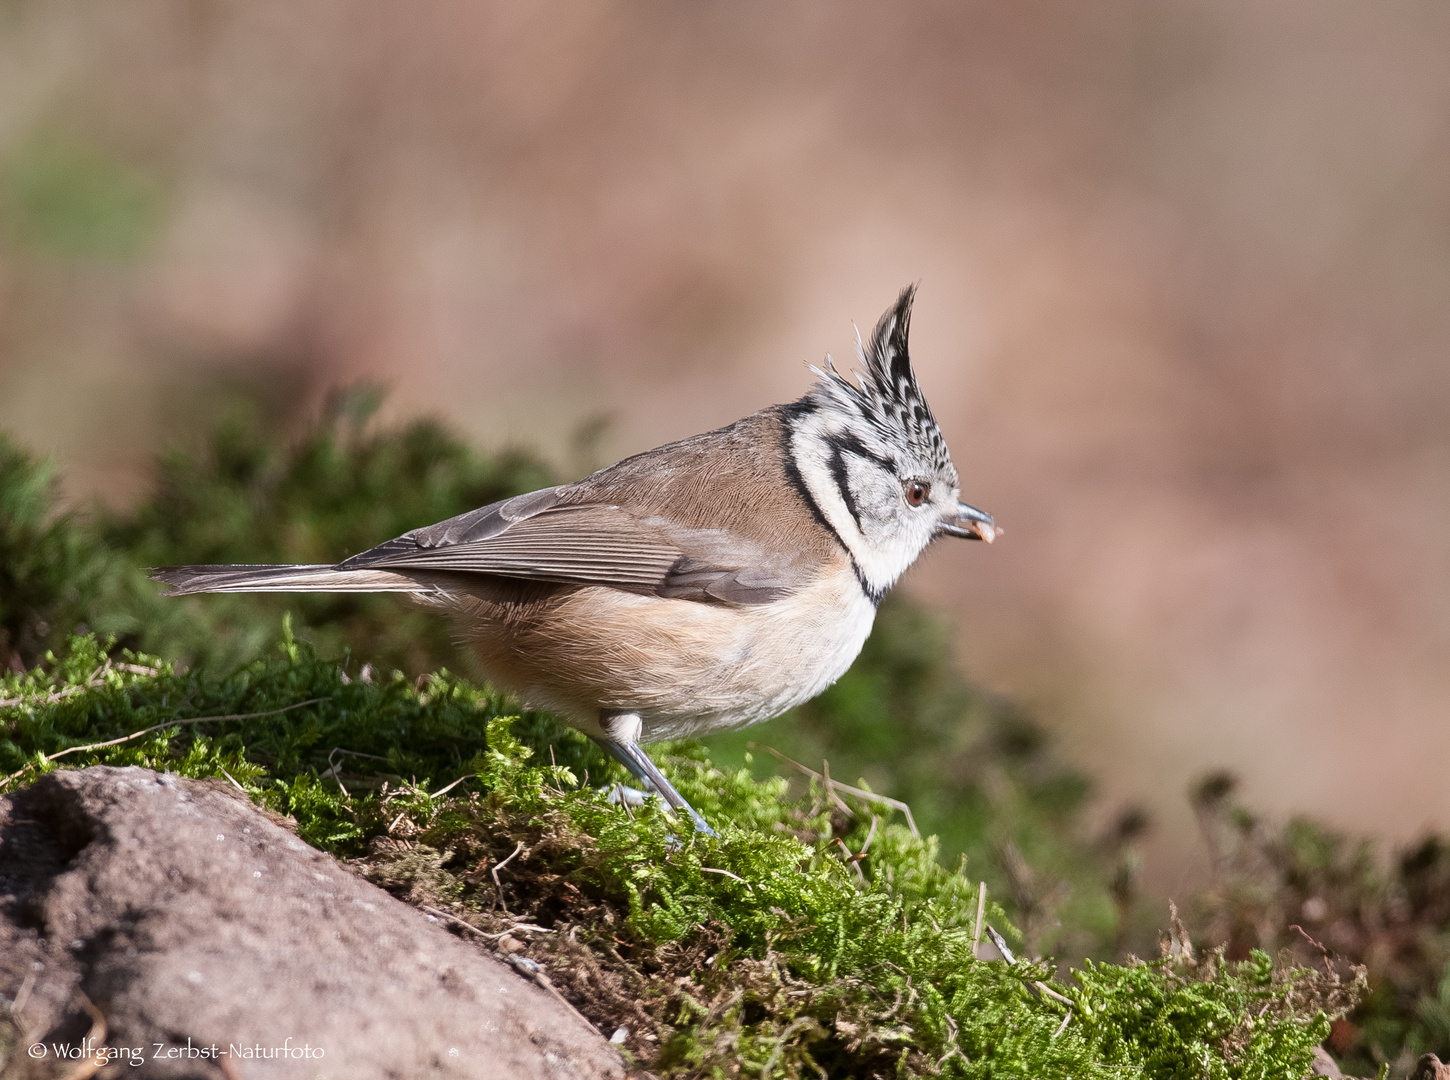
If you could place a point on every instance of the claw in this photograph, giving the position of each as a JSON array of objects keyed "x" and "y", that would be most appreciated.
[{"x": 629, "y": 754}]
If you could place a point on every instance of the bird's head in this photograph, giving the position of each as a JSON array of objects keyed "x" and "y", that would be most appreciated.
[{"x": 874, "y": 461}]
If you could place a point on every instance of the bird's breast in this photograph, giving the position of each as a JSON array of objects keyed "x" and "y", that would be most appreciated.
[{"x": 687, "y": 668}]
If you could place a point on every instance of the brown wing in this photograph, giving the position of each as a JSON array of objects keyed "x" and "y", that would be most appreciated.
[
  {"x": 591, "y": 545},
  {"x": 534, "y": 537},
  {"x": 713, "y": 518}
]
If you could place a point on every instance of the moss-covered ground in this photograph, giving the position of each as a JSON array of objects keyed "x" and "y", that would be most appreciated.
[{"x": 816, "y": 936}]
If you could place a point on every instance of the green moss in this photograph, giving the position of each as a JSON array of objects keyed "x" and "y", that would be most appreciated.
[
  {"x": 764, "y": 952},
  {"x": 977, "y": 772},
  {"x": 1273, "y": 887}
]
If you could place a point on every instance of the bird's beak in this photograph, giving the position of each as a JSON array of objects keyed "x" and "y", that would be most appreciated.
[{"x": 970, "y": 524}]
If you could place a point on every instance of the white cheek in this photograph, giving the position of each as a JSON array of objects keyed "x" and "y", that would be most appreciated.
[
  {"x": 894, "y": 533},
  {"x": 877, "y": 502},
  {"x": 889, "y": 535},
  {"x": 888, "y": 538}
]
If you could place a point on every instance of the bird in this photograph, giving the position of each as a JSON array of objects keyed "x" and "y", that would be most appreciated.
[{"x": 702, "y": 586}]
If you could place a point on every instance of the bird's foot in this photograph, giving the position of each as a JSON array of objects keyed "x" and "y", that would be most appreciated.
[{"x": 624, "y": 795}]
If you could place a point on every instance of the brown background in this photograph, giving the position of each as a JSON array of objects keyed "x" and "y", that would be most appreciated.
[{"x": 1184, "y": 309}]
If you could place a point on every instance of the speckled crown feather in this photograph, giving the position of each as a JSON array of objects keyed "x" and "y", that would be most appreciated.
[{"x": 886, "y": 395}]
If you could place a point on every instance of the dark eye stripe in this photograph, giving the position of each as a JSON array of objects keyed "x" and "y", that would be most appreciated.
[
  {"x": 841, "y": 444},
  {"x": 838, "y": 473},
  {"x": 844, "y": 442},
  {"x": 793, "y": 474}
]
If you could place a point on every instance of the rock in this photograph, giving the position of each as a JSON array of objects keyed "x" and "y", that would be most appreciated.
[
  {"x": 171, "y": 920},
  {"x": 1324, "y": 1065},
  {"x": 1429, "y": 1067}
]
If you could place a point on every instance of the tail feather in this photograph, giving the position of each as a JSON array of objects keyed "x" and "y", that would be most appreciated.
[{"x": 317, "y": 577}]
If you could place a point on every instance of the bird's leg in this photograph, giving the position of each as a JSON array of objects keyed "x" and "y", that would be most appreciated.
[{"x": 621, "y": 742}]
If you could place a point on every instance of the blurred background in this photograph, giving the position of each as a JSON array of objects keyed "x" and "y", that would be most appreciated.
[{"x": 1184, "y": 311}]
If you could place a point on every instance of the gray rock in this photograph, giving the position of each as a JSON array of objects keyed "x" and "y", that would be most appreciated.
[
  {"x": 172, "y": 920},
  {"x": 1324, "y": 1065},
  {"x": 1430, "y": 1067}
]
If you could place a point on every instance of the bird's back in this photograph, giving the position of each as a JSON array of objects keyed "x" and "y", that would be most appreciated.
[{"x": 737, "y": 479}]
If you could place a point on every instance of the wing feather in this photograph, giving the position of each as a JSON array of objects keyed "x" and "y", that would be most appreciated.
[
  {"x": 537, "y": 537},
  {"x": 590, "y": 545}
]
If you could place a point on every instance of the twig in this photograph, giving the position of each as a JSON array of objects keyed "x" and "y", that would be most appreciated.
[
  {"x": 233, "y": 779},
  {"x": 334, "y": 768},
  {"x": 1002, "y": 948},
  {"x": 455, "y": 920},
  {"x": 1062, "y": 1026},
  {"x": 955, "y": 1049},
  {"x": 623, "y": 801},
  {"x": 97, "y": 1038},
  {"x": 853, "y": 861},
  {"x": 529, "y": 969},
  {"x": 727, "y": 873},
  {"x": 870, "y": 835},
  {"x": 352, "y": 753},
  {"x": 529, "y": 927},
  {"x": 44, "y": 758},
  {"x": 23, "y": 996},
  {"x": 534, "y": 972},
  {"x": 1050, "y": 992},
  {"x": 790, "y": 1029},
  {"x": 831, "y": 788},
  {"x": 1178, "y": 935},
  {"x": 1037, "y": 984},
  {"x": 836, "y": 785},
  {"x": 445, "y": 790},
  {"x": 1323, "y": 952},
  {"x": 496, "y": 867},
  {"x": 553, "y": 784},
  {"x": 91, "y": 682},
  {"x": 981, "y": 910}
]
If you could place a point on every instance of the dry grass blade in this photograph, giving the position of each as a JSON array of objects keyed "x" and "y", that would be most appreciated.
[
  {"x": 499, "y": 866},
  {"x": 1063, "y": 1026},
  {"x": 1050, "y": 992},
  {"x": 233, "y": 779},
  {"x": 92, "y": 680},
  {"x": 726, "y": 873},
  {"x": 447, "y": 788},
  {"x": 22, "y": 997},
  {"x": 1002, "y": 946},
  {"x": 95, "y": 1038},
  {"x": 833, "y": 786}
]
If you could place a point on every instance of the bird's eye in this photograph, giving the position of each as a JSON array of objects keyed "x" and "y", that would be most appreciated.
[{"x": 917, "y": 491}]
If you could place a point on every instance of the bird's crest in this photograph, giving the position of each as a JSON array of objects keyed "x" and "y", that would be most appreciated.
[{"x": 886, "y": 395}]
